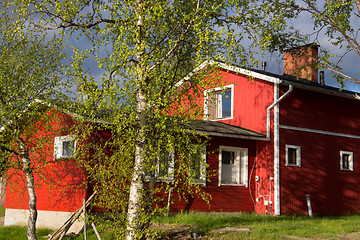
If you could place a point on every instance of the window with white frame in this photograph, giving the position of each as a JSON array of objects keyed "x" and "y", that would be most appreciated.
[
  {"x": 346, "y": 160},
  {"x": 293, "y": 155},
  {"x": 233, "y": 166},
  {"x": 219, "y": 103},
  {"x": 164, "y": 169},
  {"x": 197, "y": 165},
  {"x": 64, "y": 147},
  {"x": 165, "y": 165}
]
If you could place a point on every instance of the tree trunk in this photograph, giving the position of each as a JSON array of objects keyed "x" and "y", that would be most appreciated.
[
  {"x": 136, "y": 195},
  {"x": 31, "y": 226}
]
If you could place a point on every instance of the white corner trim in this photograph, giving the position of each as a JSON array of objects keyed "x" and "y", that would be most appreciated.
[{"x": 319, "y": 132}]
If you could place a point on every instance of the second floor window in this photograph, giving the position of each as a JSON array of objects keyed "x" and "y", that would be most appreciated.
[
  {"x": 64, "y": 147},
  {"x": 219, "y": 103}
]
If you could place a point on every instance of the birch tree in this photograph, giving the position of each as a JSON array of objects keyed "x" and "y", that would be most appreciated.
[
  {"x": 337, "y": 20},
  {"x": 29, "y": 70},
  {"x": 147, "y": 52}
]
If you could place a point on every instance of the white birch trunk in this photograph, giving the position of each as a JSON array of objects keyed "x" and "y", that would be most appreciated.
[
  {"x": 31, "y": 225},
  {"x": 136, "y": 195}
]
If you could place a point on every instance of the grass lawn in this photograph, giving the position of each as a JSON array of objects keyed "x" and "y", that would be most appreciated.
[
  {"x": 268, "y": 227},
  {"x": 216, "y": 226}
]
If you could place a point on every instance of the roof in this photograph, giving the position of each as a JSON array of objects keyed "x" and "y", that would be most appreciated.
[
  {"x": 213, "y": 128},
  {"x": 288, "y": 80}
]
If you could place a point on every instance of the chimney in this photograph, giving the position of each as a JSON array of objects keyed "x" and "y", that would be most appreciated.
[{"x": 301, "y": 62}]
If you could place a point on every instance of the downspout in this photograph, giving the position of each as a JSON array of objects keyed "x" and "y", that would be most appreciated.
[
  {"x": 276, "y": 102},
  {"x": 275, "y": 105}
]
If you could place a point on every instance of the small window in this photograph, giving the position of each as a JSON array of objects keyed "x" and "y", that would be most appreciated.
[
  {"x": 293, "y": 155},
  {"x": 164, "y": 170},
  {"x": 219, "y": 103},
  {"x": 346, "y": 160},
  {"x": 64, "y": 147},
  {"x": 197, "y": 165},
  {"x": 233, "y": 166}
]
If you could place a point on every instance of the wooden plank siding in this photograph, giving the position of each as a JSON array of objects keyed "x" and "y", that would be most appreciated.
[
  {"x": 332, "y": 191},
  {"x": 224, "y": 198}
]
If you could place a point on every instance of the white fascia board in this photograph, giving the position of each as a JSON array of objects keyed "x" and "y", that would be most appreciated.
[
  {"x": 230, "y": 68},
  {"x": 248, "y": 72}
]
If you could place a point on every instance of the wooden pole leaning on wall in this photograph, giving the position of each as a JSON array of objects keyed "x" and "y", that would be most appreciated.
[
  {"x": 84, "y": 211},
  {"x": 61, "y": 232}
]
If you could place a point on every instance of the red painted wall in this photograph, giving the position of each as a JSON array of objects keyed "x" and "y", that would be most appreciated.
[
  {"x": 224, "y": 198},
  {"x": 60, "y": 185},
  {"x": 333, "y": 191}
]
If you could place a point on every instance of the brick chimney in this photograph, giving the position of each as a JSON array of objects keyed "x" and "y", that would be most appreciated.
[{"x": 300, "y": 62}]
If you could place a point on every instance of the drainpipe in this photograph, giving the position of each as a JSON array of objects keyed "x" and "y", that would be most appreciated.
[
  {"x": 268, "y": 110},
  {"x": 276, "y": 143}
]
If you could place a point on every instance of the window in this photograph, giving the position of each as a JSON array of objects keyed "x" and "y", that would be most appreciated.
[
  {"x": 219, "y": 103},
  {"x": 293, "y": 156},
  {"x": 64, "y": 147},
  {"x": 164, "y": 166},
  {"x": 346, "y": 160},
  {"x": 197, "y": 165},
  {"x": 233, "y": 166}
]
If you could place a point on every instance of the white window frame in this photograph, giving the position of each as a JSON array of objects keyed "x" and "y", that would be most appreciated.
[
  {"x": 202, "y": 179},
  {"x": 298, "y": 155},
  {"x": 351, "y": 161},
  {"x": 58, "y": 146},
  {"x": 208, "y": 92},
  {"x": 241, "y": 162},
  {"x": 170, "y": 175}
]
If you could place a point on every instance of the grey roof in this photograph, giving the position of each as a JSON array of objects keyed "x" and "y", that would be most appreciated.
[{"x": 213, "y": 128}]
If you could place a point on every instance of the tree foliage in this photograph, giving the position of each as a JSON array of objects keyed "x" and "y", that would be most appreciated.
[
  {"x": 147, "y": 52},
  {"x": 29, "y": 73},
  {"x": 338, "y": 21}
]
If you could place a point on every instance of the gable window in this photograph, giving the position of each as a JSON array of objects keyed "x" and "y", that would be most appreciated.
[
  {"x": 346, "y": 160},
  {"x": 293, "y": 155},
  {"x": 64, "y": 147},
  {"x": 219, "y": 103},
  {"x": 197, "y": 165},
  {"x": 233, "y": 166}
]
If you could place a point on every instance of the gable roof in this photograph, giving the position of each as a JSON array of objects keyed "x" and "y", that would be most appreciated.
[{"x": 285, "y": 80}]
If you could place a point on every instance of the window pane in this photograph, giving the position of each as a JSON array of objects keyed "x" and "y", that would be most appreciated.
[
  {"x": 226, "y": 104},
  {"x": 346, "y": 161},
  {"x": 195, "y": 165},
  {"x": 292, "y": 156},
  {"x": 227, "y": 157},
  {"x": 164, "y": 163},
  {"x": 212, "y": 106},
  {"x": 68, "y": 148}
]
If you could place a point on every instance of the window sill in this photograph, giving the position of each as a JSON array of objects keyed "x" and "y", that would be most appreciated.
[{"x": 232, "y": 184}]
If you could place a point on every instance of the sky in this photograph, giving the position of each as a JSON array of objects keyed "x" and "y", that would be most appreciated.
[{"x": 350, "y": 63}]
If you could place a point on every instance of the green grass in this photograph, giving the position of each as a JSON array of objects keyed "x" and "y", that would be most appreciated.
[
  {"x": 269, "y": 227},
  {"x": 19, "y": 233},
  {"x": 2, "y": 211},
  {"x": 262, "y": 227}
]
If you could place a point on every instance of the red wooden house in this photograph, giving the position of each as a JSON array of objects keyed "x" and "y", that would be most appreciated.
[
  {"x": 274, "y": 140},
  {"x": 309, "y": 146}
]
